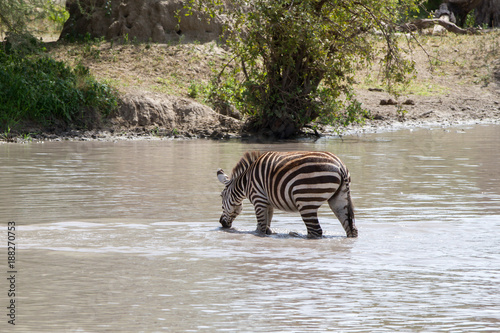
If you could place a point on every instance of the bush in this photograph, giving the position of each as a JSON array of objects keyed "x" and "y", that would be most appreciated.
[
  {"x": 46, "y": 92},
  {"x": 294, "y": 61},
  {"x": 33, "y": 17}
]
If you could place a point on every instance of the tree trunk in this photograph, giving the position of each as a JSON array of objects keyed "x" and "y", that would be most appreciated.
[
  {"x": 488, "y": 13},
  {"x": 457, "y": 10},
  {"x": 291, "y": 81},
  {"x": 461, "y": 8}
]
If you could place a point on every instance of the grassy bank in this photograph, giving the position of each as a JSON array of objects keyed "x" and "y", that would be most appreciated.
[
  {"x": 37, "y": 91},
  {"x": 183, "y": 69},
  {"x": 74, "y": 84}
]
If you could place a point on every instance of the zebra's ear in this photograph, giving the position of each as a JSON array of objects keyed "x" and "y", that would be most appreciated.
[{"x": 223, "y": 178}]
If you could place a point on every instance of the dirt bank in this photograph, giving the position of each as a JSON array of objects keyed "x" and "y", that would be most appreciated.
[
  {"x": 457, "y": 81},
  {"x": 163, "y": 88},
  {"x": 471, "y": 104}
]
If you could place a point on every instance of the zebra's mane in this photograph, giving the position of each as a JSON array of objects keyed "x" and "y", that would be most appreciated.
[{"x": 245, "y": 162}]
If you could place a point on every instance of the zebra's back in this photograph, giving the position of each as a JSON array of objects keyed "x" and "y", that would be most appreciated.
[{"x": 295, "y": 181}]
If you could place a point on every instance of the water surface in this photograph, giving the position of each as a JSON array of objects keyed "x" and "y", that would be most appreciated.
[{"x": 124, "y": 236}]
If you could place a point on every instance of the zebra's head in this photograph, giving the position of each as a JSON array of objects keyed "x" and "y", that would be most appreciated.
[{"x": 230, "y": 206}]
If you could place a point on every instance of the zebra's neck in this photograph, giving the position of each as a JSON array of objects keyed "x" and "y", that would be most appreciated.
[
  {"x": 245, "y": 162},
  {"x": 239, "y": 175},
  {"x": 237, "y": 188}
]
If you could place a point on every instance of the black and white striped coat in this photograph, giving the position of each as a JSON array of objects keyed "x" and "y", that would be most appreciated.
[{"x": 291, "y": 181}]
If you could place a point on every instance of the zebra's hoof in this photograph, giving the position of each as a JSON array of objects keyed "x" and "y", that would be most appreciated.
[
  {"x": 310, "y": 236},
  {"x": 353, "y": 234}
]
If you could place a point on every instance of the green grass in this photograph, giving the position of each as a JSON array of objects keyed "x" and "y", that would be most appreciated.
[
  {"x": 423, "y": 87},
  {"x": 39, "y": 90}
]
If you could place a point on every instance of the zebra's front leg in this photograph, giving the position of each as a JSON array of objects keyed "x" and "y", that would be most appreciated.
[
  {"x": 270, "y": 211},
  {"x": 264, "y": 216},
  {"x": 310, "y": 218}
]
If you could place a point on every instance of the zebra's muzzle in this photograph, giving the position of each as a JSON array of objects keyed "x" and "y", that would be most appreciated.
[{"x": 224, "y": 223}]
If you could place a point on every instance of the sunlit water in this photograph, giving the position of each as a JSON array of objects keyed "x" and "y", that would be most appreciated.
[{"x": 124, "y": 237}]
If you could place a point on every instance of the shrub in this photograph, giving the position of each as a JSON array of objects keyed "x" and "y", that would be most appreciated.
[
  {"x": 295, "y": 60},
  {"x": 47, "y": 92}
]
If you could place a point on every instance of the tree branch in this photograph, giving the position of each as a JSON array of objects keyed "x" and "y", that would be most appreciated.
[
  {"x": 6, "y": 22},
  {"x": 427, "y": 23}
]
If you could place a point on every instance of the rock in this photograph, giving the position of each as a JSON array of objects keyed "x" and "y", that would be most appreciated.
[
  {"x": 378, "y": 117},
  {"x": 141, "y": 20},
  {"x": 228, "y": 110},
  {"x": 426, "y": 114},
  {"x": 389, "y": 101},
  {"x": 146, "y": 111},
  {"x": 409, "y": 102},
  {"x": 440, "y": 30}
]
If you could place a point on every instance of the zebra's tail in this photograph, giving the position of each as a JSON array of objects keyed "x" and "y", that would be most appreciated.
[{"x": 350, "y": 215}]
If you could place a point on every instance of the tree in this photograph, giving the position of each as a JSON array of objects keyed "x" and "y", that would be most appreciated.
[
  {"x": 432, "y": 5},
  {"x": 295, "y": 60},
  {"x": 17, "y": 16},
  {"x": 488, "y": 13},
  {"x": 461, "y": 8}
]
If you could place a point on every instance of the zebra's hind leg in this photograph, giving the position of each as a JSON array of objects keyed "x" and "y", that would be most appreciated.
[
  {"x": 342, "y": 207},
  {"x": 310, "y": 218}
]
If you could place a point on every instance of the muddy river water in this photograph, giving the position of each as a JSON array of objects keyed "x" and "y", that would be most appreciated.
[{"x": 124, "y": 237}]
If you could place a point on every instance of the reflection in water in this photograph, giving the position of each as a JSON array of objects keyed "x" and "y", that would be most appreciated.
[{"x": 125, "y": 237}]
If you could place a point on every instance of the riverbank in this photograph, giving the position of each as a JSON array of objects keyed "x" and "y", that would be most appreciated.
[{"x": 163, "y": 89}]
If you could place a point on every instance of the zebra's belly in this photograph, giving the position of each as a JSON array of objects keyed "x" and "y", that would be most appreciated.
[{"x": 295, "y": 198}]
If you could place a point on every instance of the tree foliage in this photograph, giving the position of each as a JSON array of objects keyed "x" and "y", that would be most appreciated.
[
  {"x": 45, "y": 92},
  {"x": 294, "y": 61},
  {"x": 17, "y": 16},
  {"x": 38, "y": 90}
]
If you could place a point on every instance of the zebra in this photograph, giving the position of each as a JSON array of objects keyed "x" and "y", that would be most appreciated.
[{"x": 288, "y": 181}]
